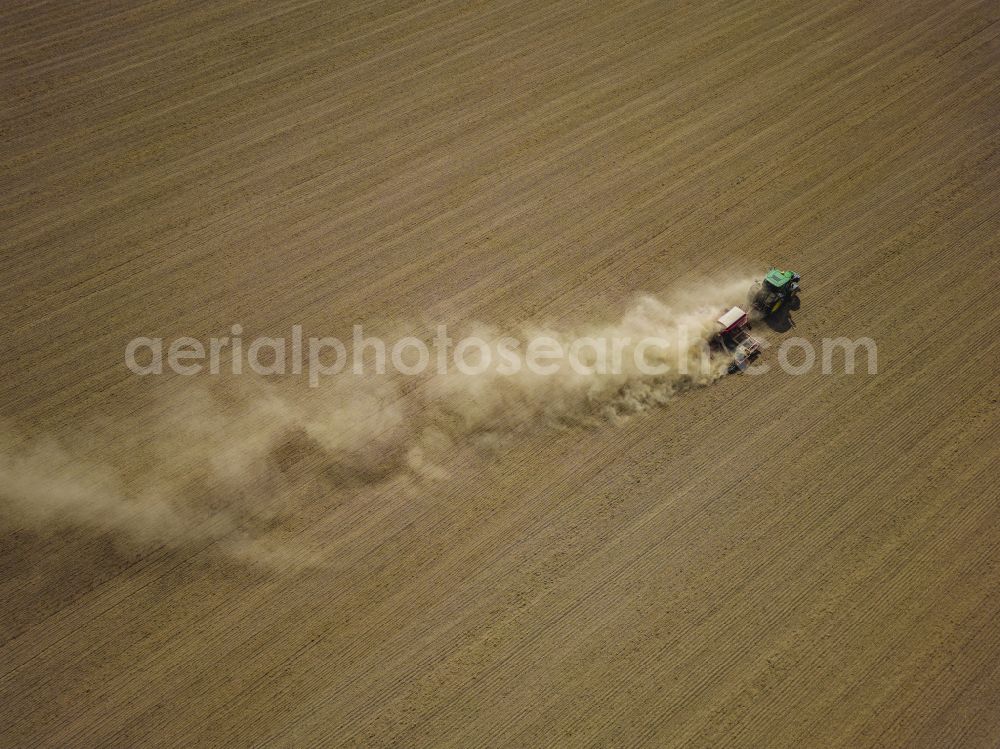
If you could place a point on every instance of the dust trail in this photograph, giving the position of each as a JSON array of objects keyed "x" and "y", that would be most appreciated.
[
  {"x": 498, "y": 402},
  {"x": 229, "y": 463},
  {"x": 44, "y": 485}
]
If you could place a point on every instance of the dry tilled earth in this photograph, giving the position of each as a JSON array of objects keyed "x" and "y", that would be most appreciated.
[{"x": 763, "y": 561}]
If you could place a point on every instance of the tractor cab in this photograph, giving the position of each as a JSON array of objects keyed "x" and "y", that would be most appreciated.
[
  {"x": 777, "y": 279},
  {"x": 779, "y": 286}
]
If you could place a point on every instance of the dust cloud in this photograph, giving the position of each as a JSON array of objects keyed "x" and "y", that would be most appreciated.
[{"x": 225, "y": 463}]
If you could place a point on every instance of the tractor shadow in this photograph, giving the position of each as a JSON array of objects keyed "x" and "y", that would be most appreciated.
[{"x": 780, "y": 322}]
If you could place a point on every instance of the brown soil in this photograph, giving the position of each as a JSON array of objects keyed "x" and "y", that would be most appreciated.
[{"x": 773, "y": 560}]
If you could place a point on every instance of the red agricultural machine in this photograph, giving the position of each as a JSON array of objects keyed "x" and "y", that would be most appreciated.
[{"x": 734, "y": 338}]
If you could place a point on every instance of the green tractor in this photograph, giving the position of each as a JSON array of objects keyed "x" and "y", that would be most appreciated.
[{"x": 779, "y": 289}]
